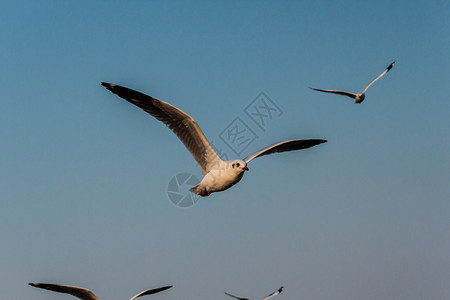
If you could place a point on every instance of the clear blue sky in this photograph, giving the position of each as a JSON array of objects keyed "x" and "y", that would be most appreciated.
[{"x": 84, "y": 175}]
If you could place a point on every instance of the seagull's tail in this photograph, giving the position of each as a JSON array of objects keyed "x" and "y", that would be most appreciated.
[
  {"x": 196, "y": 189},
  {"x": 199, "y": 190}
]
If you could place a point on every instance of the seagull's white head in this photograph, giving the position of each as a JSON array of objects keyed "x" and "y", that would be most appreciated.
[{"x": 239, "y": 166}]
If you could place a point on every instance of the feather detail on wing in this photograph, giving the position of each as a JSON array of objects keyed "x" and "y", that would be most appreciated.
[
  {"x": 183, "y": 125},
  {"x": 236, "y": 297},
  {"x": 273, "y": 294},
  {"x": 78, "y": 292},
  {"x": 344, "y": 93},
  {"x": 284, "y": 146},
  {"x": 151, "y": 291},
  {"x": 379, "y": 76}
]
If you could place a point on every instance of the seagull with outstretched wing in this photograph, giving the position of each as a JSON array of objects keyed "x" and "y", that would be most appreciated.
[
  {"x": 219, "y": 175},
  {"x": 86, "y": 294},
  {"x": 265, "y": 298},
  {"x": 361, "y": 96}
]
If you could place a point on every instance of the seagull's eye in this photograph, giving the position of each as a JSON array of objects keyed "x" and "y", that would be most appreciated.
[{"x": 237, "y": 164}]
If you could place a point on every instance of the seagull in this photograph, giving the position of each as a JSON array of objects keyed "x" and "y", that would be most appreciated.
[
  {"x": 219, "y": 175},
  {"x": 361, "y": 96},
  {"x": 86, "y": 294},
  {"x": 265, "y": 298}
]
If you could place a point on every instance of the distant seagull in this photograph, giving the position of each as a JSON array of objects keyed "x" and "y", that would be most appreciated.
[
  {"x": 219, "y": 175},
  {"x": 86, "y": 294},
  {"x": 358, "y": 97},
  {"x": 265, "y": 298}
]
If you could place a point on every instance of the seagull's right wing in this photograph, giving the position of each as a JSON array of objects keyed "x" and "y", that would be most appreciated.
[
  {"x": 273, "y": 294},
  {"x": 240, "y": 298},
  {"x": 183, "y": 125},
  {"x": 152, "y": 291},
  {"x": 379, "y": 76},
  {"x": 78, "y": 292},
  {"x": 344, "y": 93}
]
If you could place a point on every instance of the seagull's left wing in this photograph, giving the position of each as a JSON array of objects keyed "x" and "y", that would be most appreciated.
[
  {"x": 152, "y": 291},
  {"x": 344, "y": 93},
  {"x": 284, "y": 146},
  {"x": 273, "y": 294},
  {"x": 240, "y": 298},
  {"x": 78, "y": 292},
  {"x": 183, "y": 125},
  {"x": 379, "y": 76}
]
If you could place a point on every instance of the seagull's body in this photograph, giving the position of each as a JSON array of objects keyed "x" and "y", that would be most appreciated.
[
  {"x": 86, "y": 294},
  {"x": 219, "y": 175},
  {"x": 361, "y": 96},
  {"x": 265, "y": 298}
]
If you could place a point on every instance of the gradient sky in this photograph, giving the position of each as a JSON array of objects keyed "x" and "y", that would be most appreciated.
[{"x": 84, "y": 174}]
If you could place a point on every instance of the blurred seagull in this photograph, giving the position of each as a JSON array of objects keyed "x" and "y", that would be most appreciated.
[
  {"x": 265, "y": 298},
  {"x": 86, "y": 294},
  {"x": 358, "y": 97},
  {"x": 219, "y": 175}
]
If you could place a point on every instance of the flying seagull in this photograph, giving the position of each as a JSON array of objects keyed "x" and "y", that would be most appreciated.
[
  {"x": 265, "y": 298},
  {"x": 219, "y": 175},
  {"x": 358, "y": 97},
  {"x": 86, "y": 294}
]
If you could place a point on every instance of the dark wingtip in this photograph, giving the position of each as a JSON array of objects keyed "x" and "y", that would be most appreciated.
[
  {"x": 391, "y": 65},
  {"x": 323, "y": 141},
  {"x": 107, "y": 85},
  {"x": 32, "y": 284}
]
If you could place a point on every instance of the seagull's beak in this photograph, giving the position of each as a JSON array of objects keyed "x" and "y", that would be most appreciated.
[{"x": 245, "y": 168}]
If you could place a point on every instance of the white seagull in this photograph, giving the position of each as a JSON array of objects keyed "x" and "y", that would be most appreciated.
[
  {"x": 86, "y": 294},
  {"x": 265, "y": 298},
  {"x": 358, "y": 97},
  {"x": 219, "y": 175}
]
